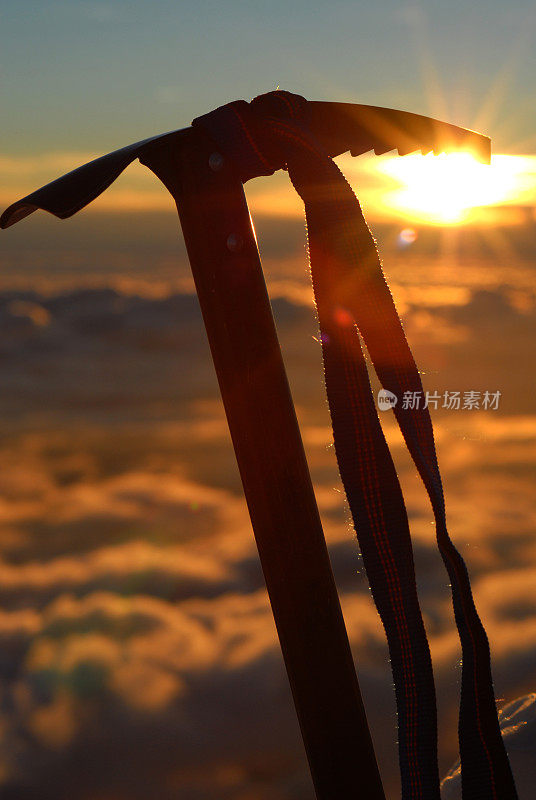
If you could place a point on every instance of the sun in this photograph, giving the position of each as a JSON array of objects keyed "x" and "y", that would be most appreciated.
[{"x": 448, "y": 188}]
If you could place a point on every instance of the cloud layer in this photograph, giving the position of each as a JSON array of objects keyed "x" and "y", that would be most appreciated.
[{"x": 137, "y": 646}]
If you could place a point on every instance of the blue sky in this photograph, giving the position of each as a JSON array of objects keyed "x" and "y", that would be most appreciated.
[{"x": 96, "y": 75}]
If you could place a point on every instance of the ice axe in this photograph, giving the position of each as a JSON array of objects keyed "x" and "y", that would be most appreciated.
[{"x": 204, "y": 168}]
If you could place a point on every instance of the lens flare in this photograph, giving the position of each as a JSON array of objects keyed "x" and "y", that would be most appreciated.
[{"x": 406, "y": 237}]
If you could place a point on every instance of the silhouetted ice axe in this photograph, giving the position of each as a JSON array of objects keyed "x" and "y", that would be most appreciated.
[{"x": 204, "y": 167}]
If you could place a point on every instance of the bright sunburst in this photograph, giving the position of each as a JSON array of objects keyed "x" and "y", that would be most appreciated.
[{"x": 446, "y": 189}]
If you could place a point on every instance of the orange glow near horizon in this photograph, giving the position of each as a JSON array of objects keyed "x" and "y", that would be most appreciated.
[{"x": 450, "y": 188}]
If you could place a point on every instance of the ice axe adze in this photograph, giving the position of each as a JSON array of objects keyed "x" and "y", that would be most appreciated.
[{"x": 202, "y": 177}]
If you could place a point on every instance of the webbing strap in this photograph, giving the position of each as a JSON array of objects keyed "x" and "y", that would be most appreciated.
[{"x": 354, "y": 302}]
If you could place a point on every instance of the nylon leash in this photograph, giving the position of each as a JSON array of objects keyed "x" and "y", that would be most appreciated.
[{"x": 354, "y": 305}]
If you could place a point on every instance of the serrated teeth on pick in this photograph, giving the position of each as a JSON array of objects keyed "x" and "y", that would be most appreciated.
[
  {"x": 405, "y": 150},
  {"x": 359, "y": 129},
  {"x": 381, "y": 149}
]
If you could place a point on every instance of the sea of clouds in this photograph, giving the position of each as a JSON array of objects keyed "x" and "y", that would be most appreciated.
[{"x": 138, "y": 655}]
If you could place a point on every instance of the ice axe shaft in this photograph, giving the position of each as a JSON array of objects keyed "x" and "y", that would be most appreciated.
[{"x": 234, "y": 301}]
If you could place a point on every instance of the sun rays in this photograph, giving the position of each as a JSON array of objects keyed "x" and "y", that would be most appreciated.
[{"x": 451, "y": 188}]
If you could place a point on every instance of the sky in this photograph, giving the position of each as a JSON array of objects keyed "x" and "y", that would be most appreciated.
[
  {"x": 81, "y": 78},
  {"x": 92, "y": 75}
]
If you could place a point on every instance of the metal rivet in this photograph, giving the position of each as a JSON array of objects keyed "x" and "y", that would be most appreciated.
[
  {"x": 215, "y": 162},
  {"x": 235, "y": 242}
]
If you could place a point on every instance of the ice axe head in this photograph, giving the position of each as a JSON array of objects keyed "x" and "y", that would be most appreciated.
[{"x": 339, "y": 127}]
